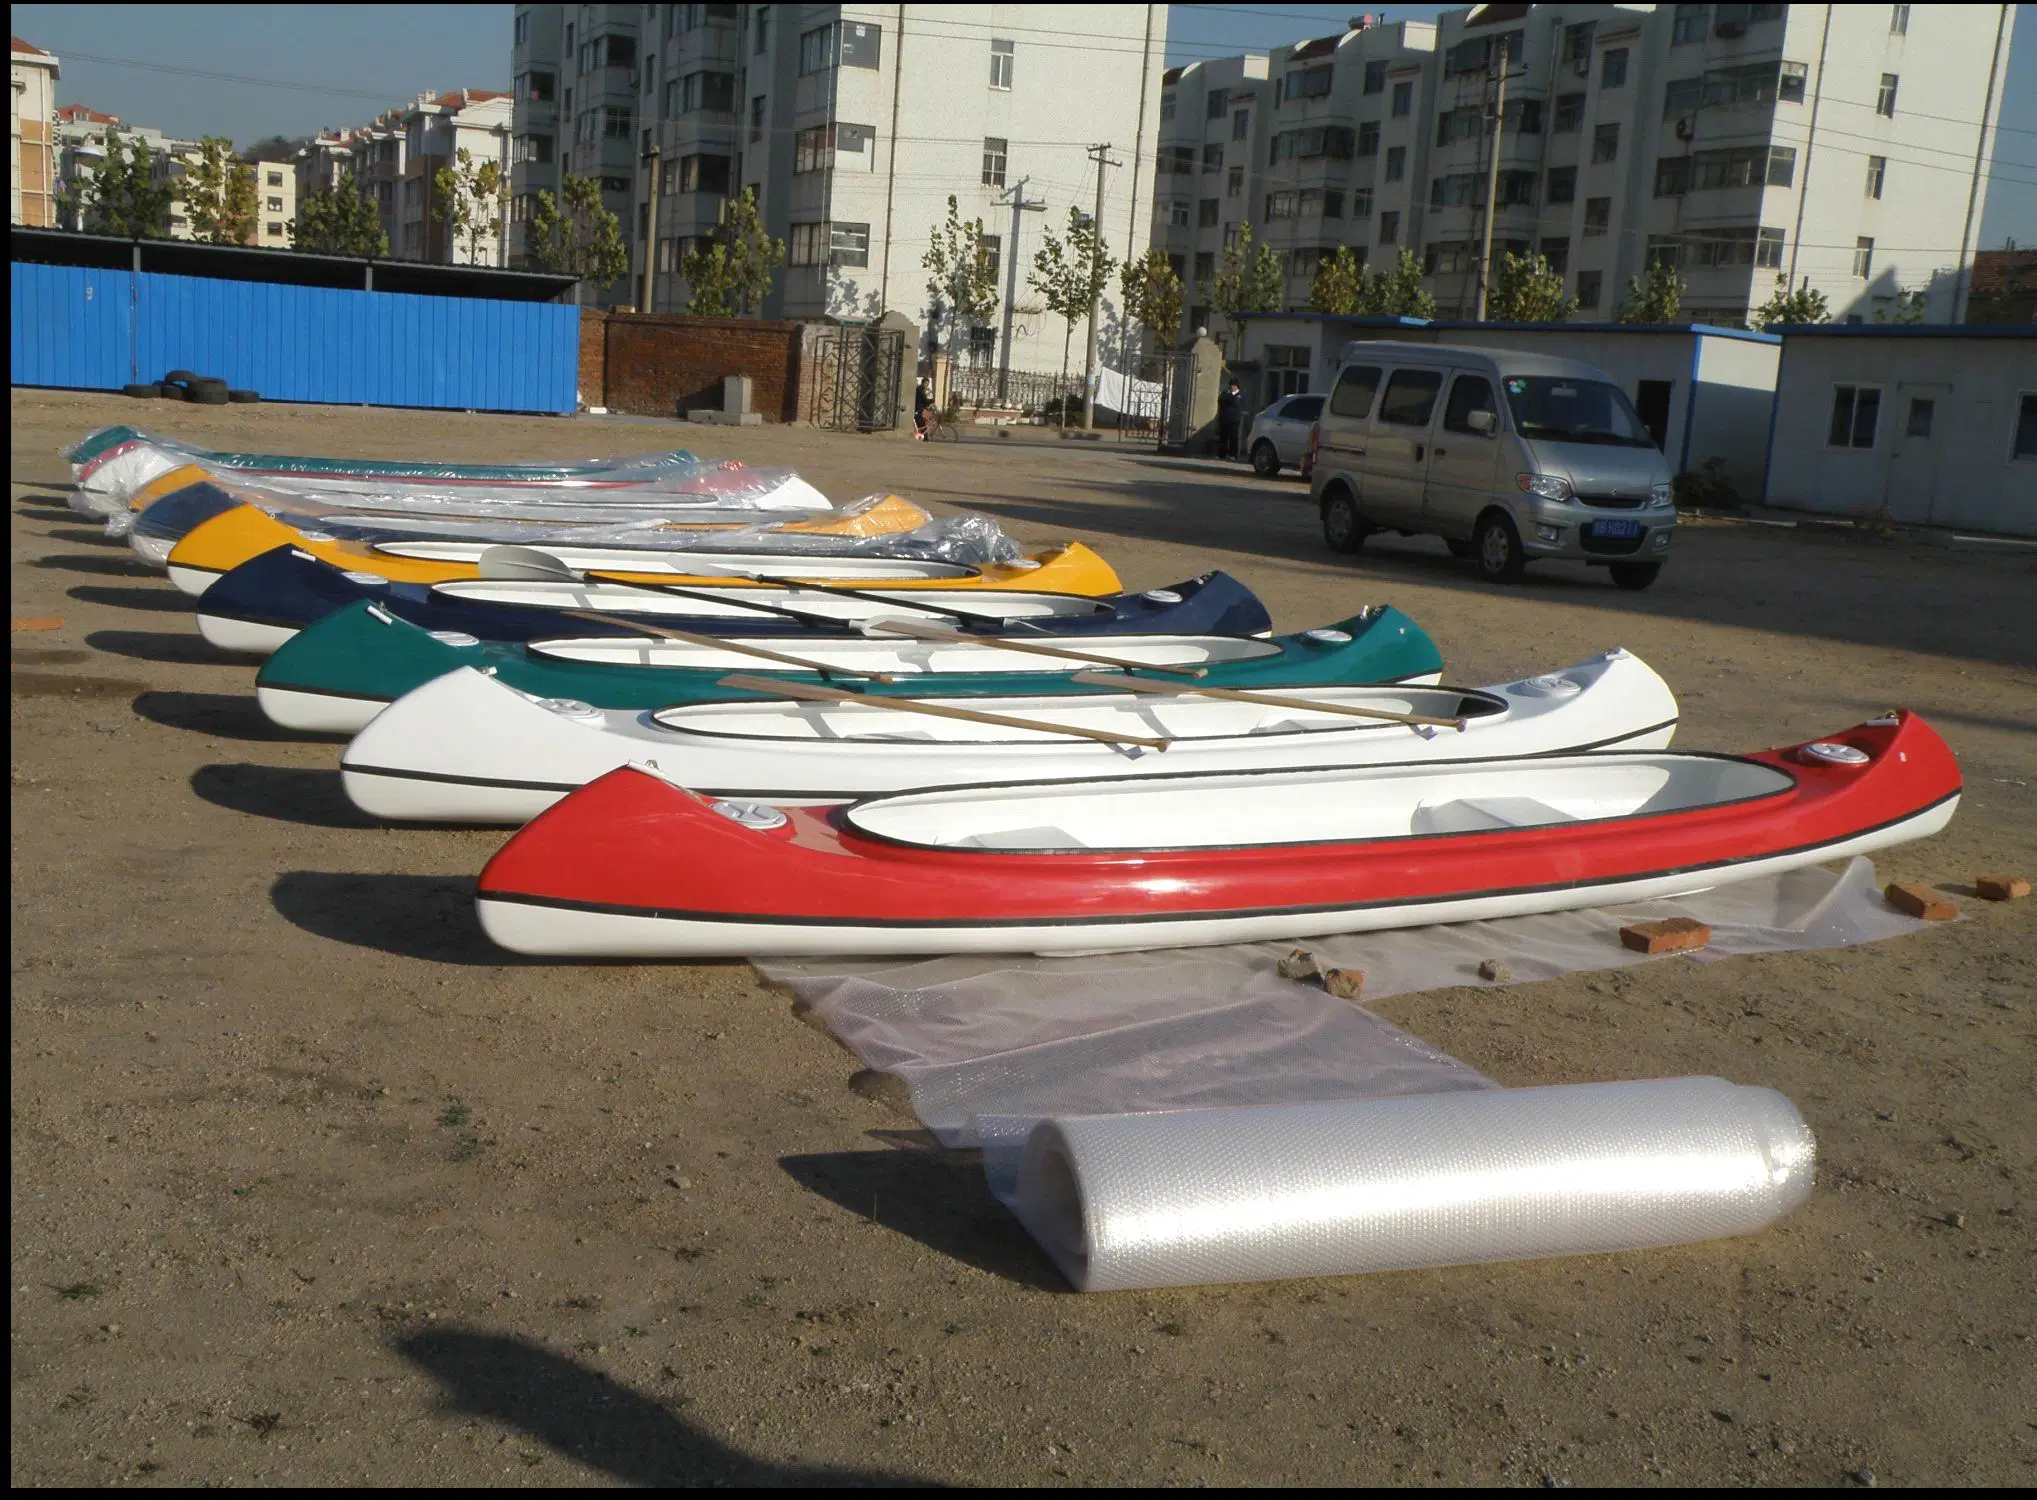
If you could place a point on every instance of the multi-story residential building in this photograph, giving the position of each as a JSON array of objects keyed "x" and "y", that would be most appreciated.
[
  {"x": 853, "y": 125},
  {"x": 275, "y": 203},
  {"x": 32, "y": 168},
  {"x": 436, "y": 129},
  {"x": 1751, "y": 146},
  {"x": 328, "y": 161},
  {"x": 1211, "y": 167}
]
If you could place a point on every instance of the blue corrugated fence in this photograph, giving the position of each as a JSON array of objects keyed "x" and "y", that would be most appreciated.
[{"x": 103, "y": 329}]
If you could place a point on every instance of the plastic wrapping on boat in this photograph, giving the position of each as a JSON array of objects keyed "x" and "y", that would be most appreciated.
[{"x": 1327, "y": 1189}]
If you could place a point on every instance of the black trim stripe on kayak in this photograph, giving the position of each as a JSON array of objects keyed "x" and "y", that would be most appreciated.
[
  {"x": 747, "y": 919},
  {"x": 447, "y": 778}
]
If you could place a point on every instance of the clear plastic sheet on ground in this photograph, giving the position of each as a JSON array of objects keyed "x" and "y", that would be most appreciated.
[{"x": 1016, "y": 1040}]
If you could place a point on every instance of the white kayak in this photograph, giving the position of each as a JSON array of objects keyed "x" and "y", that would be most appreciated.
[
  {"x": 467, "y": 748},
  {"x": 658, "y": 556}
]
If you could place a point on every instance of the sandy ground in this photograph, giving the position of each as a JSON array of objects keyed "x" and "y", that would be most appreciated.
[{"x": 310, "y": 1186}]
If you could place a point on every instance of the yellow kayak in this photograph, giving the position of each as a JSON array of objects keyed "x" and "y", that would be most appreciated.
[{"x": 233, "y": 537}]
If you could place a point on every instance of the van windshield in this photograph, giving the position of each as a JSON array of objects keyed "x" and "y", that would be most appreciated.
[{"x": 1574, "y": 411}]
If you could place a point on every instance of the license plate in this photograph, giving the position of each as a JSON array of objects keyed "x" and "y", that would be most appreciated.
[{"x": 1616, "y": 528}]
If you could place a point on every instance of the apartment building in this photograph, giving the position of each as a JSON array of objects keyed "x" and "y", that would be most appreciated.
[
  {"x": 853, "y": 125},
  {"x": 1751, "y": 146},
  {"x": 32, "y": 168},
  {"x": 275, "y": 202},
  {"x": 394, "y": 160}
]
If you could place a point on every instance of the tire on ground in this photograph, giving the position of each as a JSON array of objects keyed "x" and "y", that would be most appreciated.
[
  {"x": 179, "y": 377},
  {"x": 141, "y": 390},
  {"x": 207, "y": 393},
  {"x": 249, "y": 397}
]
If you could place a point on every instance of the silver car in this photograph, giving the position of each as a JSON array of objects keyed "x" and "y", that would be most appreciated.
[
  {"x": 1509, "y": 457},
  {"x": 1279, "y": 434}
]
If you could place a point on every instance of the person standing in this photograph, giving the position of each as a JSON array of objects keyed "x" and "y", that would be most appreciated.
[{"x": 1230, "y": 417}]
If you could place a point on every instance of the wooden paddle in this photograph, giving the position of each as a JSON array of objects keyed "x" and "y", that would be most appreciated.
[
  {"x": 1271, "y": 700},
  {"x": 772, "y": 687},
  {"x": 521, "y": 564},
  {"x": 719, "y": 643},
  {"x": 512, "y": 562},
  {"x": 920, "y": 631}
]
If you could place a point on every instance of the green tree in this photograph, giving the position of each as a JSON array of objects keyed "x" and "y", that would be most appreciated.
[
  {"x": 219, "y": 195},
  {"x": 1399, "y": 293},
  {"x": 1152, "y": 294},
  {"x": 961, "y": 275},
  {"x": 1070, "y": 274},
  {"x": 340, "y": 220},
  {"x": 583, "y": 240},
  {"x": 1527, "y": 289},
  {"x": 1339, "y": 287},
  {"x": 1909, "y": 308},
  {"x": 122, "y": 197},
  {"x": 1655, "y": 296},
  {"x": 1248, "y": 280},
  {"x": 1785, "y": 306},
  {"x": 731, "y": 273},
  {"x": 471, "y": 196}
]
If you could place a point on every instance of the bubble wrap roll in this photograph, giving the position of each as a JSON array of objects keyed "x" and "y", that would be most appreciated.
[{"x": 1258, "y": 1194}]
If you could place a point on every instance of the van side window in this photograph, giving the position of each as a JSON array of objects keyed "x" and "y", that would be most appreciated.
[
  {"x": 1468, "y": 394},
  {"x": 1410, "y": 397},
  {"x": 1354, "y": 392}
]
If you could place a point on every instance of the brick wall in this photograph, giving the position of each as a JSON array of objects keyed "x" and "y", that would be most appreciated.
[
  {"x": 593, "y": 357},
  {"x": 659, "y": 364}
]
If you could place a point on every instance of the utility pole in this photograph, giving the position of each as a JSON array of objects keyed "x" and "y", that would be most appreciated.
[
  {"x": 1102, "y": 157},
  {"x": 651, "y": 229},
  {"x": 1499, "y": 130},
  {"x": 1017, "y": 193}
]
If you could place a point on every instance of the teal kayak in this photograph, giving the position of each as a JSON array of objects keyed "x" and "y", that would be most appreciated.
[
  {"x": 635, "y": 468},
  {"x": 338, "y": 673}
]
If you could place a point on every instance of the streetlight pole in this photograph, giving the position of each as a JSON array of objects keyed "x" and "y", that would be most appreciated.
[
  {"x": 1102, "y": 157},
  {"x": 1499, "y": 129},
  {"x": 651, "y": 229},
  {"x": 1017, "y": 194}
]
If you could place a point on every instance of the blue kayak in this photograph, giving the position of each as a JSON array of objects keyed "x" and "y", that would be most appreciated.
[{"x": 267, "y": 599}]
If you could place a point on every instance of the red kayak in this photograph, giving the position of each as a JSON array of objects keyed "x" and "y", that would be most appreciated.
[{"x": 633, "y": 865}]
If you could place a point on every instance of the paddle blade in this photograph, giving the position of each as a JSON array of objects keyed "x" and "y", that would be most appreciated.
[{"x": 511, "y": 564}]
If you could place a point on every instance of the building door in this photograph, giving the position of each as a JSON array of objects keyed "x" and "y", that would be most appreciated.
[
  {"x": 1911, "y": 488},
  {"x": 1651, "y": 405}
]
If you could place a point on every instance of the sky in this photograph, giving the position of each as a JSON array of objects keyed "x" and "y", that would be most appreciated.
[{"x": 252, "y": 71}]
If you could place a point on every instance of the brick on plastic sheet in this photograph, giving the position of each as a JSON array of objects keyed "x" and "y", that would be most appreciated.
[
  {"x": 1920, "y": 901},
  {"x": 1670, "y": 935}
]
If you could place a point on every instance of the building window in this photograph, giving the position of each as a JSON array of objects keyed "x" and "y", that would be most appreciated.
[
  {"x": 994, "y": 150},
  {"x": 1524, "y": 116},
  {"x": 1672, "y": 176},
  {"x": 1375, "y": 77},
  {"x": 650, "y": 71},
  {"x": 1308, "y": 83},
  {"x": 275, "y": 228},
  {"x": 1368, "y": 138},
  {"x": 1768, "y": 249},
  {"x": 1396, "y": 163},
  {"x": 1569, "y": 114},
  {"x": 1921, "y": 410},
  {"x": 1205, "y": 266},
  {"x": 812, "y": 150},
  {"x": 1177, "y": 214},
  {"x": 1877, "y": 172},
  {"x": 1898, "y": 20},
  {"x": 1213, "y": 157},
  {"x": 1605, "y": 143},
  {"x": 1003, "y": 58},
  {"x": 1361, "y": 203},
  {"x": 1885, "y": 100},
  {"x": 808, "y": 244},
  {"x": 1166, "y": 108},
  {"x": 1206, "y": 213},
  {"x": 1562, "y": 185},
  {"x": 849, "y": 244},
  {"x": 1241, "y": 124},
  {"x": 274, "y": 205},
  {"x": 1689, "y": 25},
  {"x": 816, "y": 54},
  {"x": 1218, "y": 104},
  {"x": 276, "y": 180},
  {"x": 1457, "y": 190},
  {"x": 1794, "y": 77},
  {"x": 1460, "y": 124},
  {"x": 1234, "y": 182},
  {"x": 536, "y": 87},
  {"x": 1863, "y": 257},
  {"x": 533, "y": 148},
  {"x": 862, "y": 44},
  {"x": 1590, "y": 286},
  {"x": 1782, "y": 166},
  {"x": 1598, "y": 216},
  {"x": 1855, "y": 412},
  {"x": 2025, "y": 443},
  {"x": 1279, "y": 206},
  {"x": 857, "y": 139},
  {"x": 1389, "y": 227},
  {"x": 1557, "y": 252},
  {"x": 1516, "y": 189},
  {"x": 618, "y": 124},
  {"x": 1403, "y": 100},
  {"x": 704, "y": 174},
  {"x": 714, "y": 93},
  {"x": 1612, "y": 70},
  {"x": 757, "y": 118},
  {"x": 522, "y": 28}
]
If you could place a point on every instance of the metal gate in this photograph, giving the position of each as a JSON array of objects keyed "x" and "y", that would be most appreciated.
[{"x": 857, "y": 370}]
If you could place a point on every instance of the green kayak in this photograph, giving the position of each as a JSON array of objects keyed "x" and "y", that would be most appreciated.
[{"x": 336, "y": 675}]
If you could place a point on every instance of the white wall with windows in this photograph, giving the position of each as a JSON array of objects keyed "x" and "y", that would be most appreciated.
[{"x": 1928, "y": 426}]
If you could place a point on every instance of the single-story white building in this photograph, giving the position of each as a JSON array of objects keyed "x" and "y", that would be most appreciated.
[
  {"x": 1927, "y": 425},
  {"x": 1705, "y": 393}
]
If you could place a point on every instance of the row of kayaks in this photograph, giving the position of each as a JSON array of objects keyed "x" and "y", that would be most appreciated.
[{"x": 777, "y": 751}]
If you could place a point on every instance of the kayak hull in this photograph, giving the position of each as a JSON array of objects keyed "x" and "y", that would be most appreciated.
[
  {"x": 337, "y": 675},
  {"x": 466, "y": 748},
  {"x": 633, "y": 865}
]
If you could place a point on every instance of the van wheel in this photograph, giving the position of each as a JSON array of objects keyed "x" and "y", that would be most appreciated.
[
  {"x": 1265, "y": 459},
  {"x": 1634, "y": 575},
  {"x": 1344, "y": 530},
  {"x": 1499, "y": 550},
  {"x": 1457, "y": 548}
]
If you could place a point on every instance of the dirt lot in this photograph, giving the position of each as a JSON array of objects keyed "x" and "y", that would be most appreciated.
[{"x": 311, "y": 1186}]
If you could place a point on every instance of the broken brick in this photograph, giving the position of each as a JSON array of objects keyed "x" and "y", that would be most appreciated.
[
  {"x": 1300, "y": 964},
  {"x": 1920, "y": 901},
  {"x": 1344, "y": 983},
  {"x": 2000, "y": 887},
  {"x": 1669, "y": 935}
]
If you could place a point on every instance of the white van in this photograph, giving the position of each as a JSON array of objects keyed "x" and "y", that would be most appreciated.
[{"x": 1511, "y": 458}]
